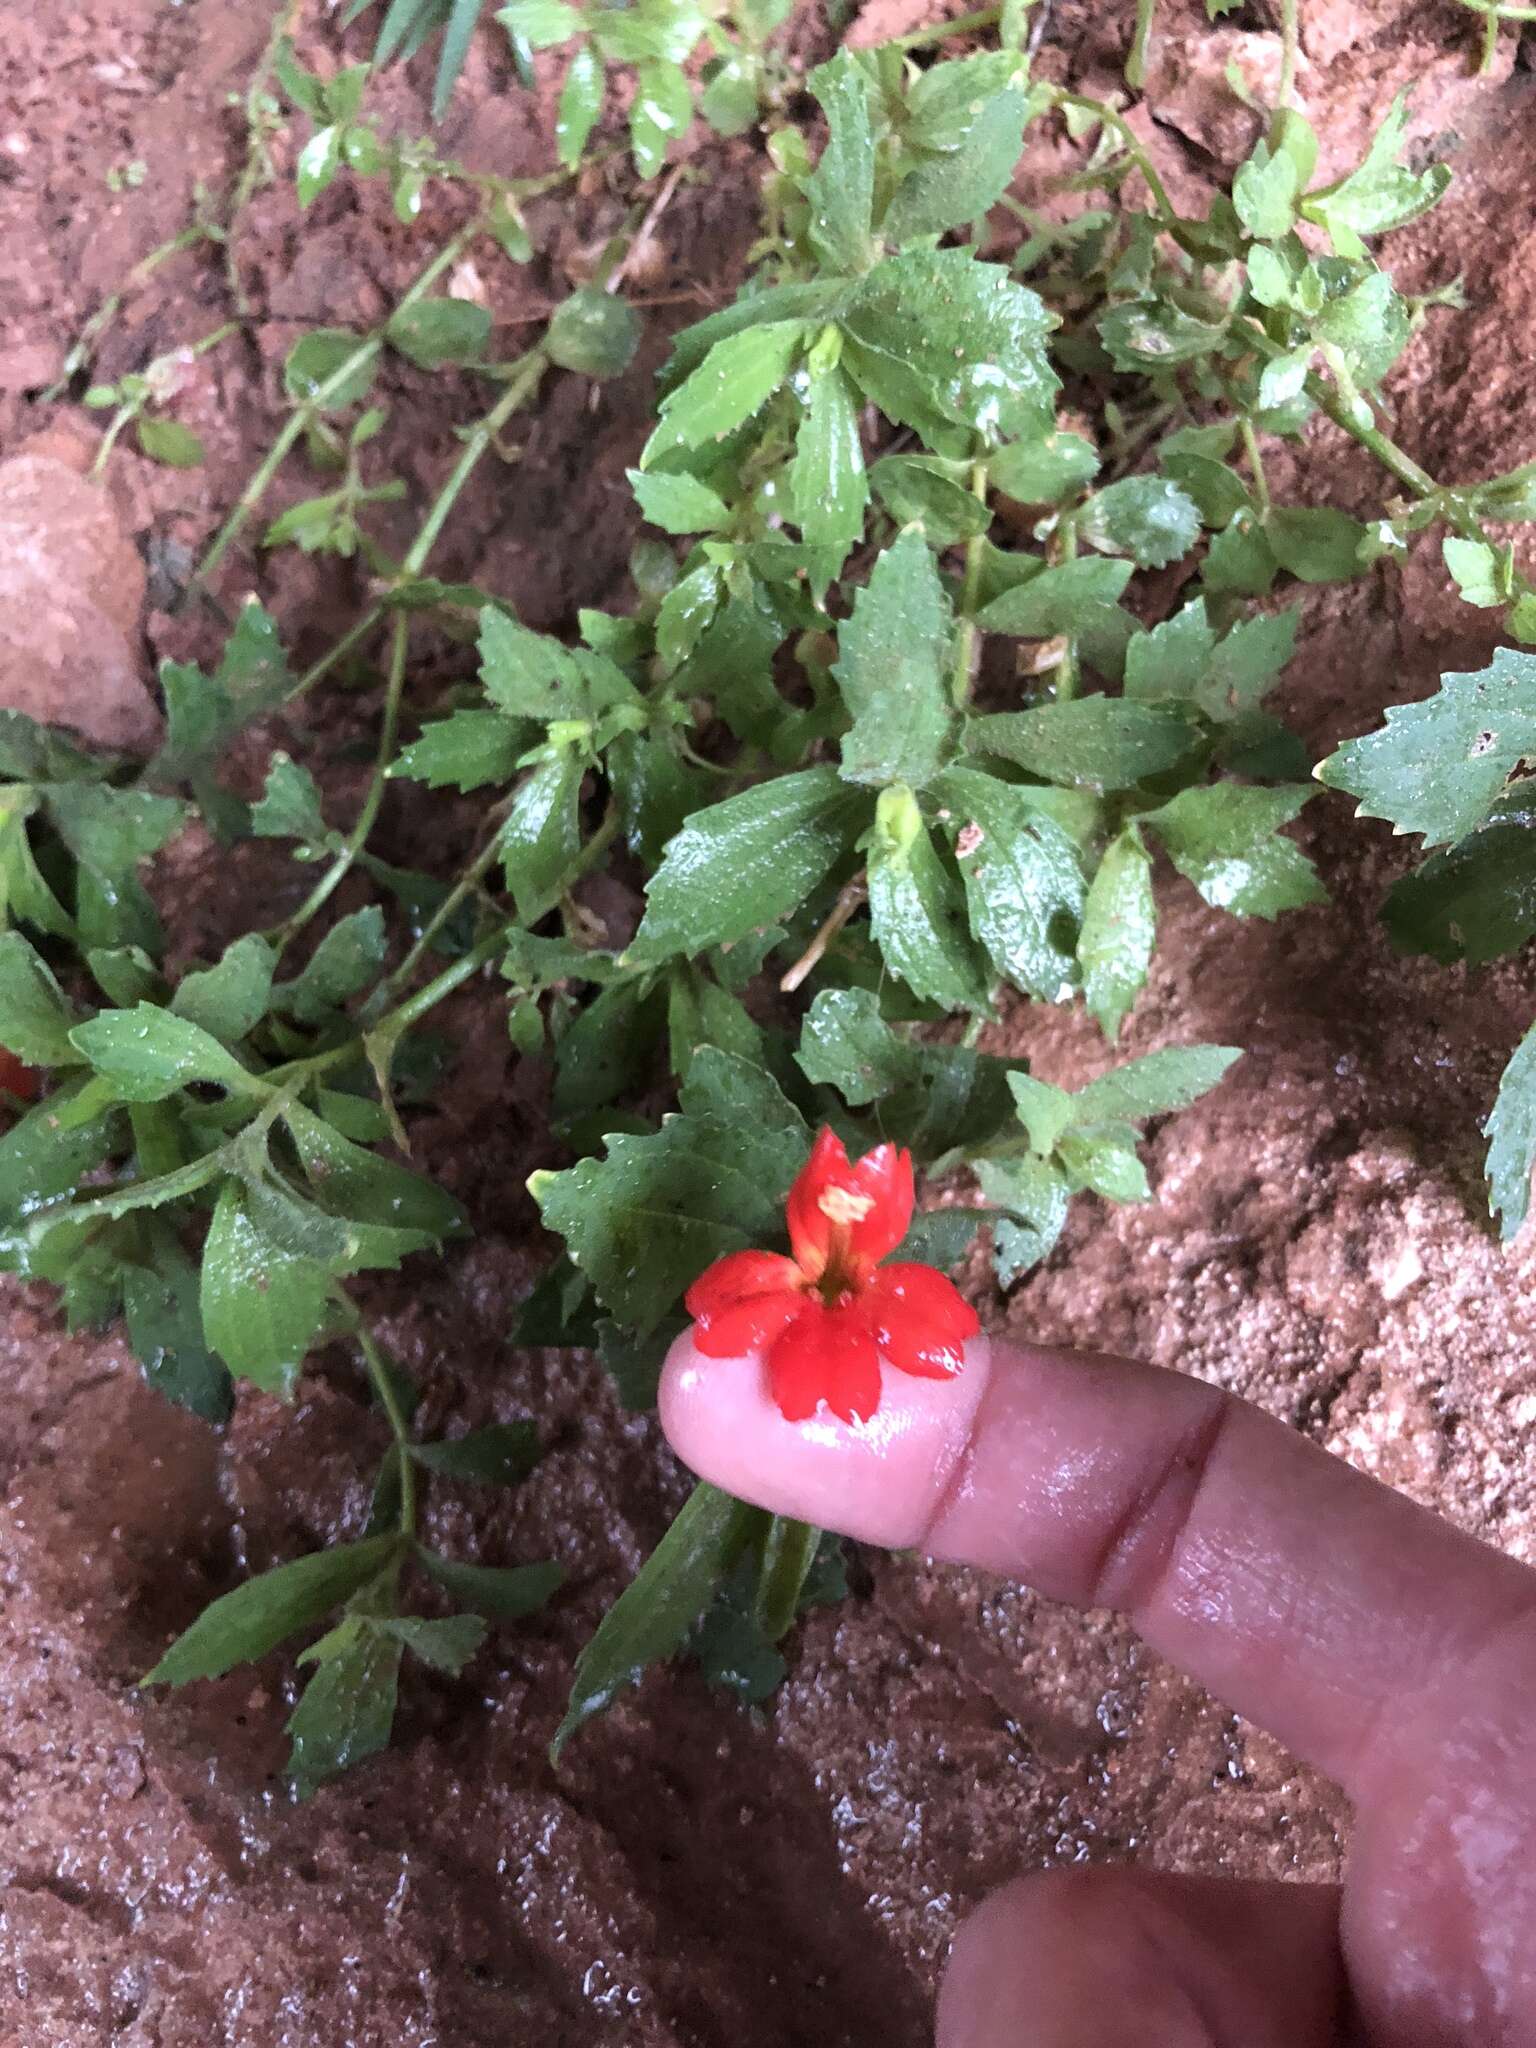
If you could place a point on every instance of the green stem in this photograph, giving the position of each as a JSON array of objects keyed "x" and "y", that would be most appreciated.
[
  {"x": 366, "y": 352},
  {"x": 465, "y": 968},
  {"x": 521, "y": 386},
  {"x": 941, "y": 31},
  {"x": 1255, "y": 463},
  {"x": 1066, "y": 673},
  {"x": 965, "y": 638},
  {"x": 1141, "y": 43},
  {"x": 1132, "y": 146},
  {"x": 85, "y": 345},
  {"x": 258, "y": 162},
  {"x": 789, "y": 1550},
  {"x": 1290, "y": 50},
  {"x": 464, "y": 887},
  {"x": 384, "y": 1387},
  {"x": 357, "y": 838}
]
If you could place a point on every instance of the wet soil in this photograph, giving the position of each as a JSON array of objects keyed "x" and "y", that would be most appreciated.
[{"x": 694, "y": 1874}]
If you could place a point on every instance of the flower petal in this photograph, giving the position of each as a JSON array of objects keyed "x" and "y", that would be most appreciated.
[
  {"x": 853, "y": 1213},
  {"x": 825, "y": 1355},
  {"x": 737, "y": 1277},
  {"x": 884, "y": 1176},
  {"x": 810, "y": 1228},
  {"x": 748, "y": 1325},
  {"x": 920, "y": 1319},
  {"x": 742, "y": 1300}
]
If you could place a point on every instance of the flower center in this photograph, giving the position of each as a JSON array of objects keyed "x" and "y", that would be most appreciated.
[{"x": 844, "y": 1206}]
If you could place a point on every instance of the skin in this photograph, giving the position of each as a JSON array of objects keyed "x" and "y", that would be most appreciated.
[{"x": 1386, "y": 1648}]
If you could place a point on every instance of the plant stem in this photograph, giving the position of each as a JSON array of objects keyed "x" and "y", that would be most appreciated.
[
  {"x": 941, "y": 31},
  {"x": 849, "y": 897},
  {"x": 366, "y": 352},
  {"x": 1066, "y": 668},
  {"x": 789, "y": 1550},
  {"x": 1141, "y": 43},
  {"x": 1255, "y": 463},
  {"x": 258, "y": 162},
  {"x": 1133, "y": 149},
  {"x": 384, "y": 1387},
  {"x": 464, "y": 887},
  {"x": 465, "y": 968},
  {"x": 520, "y": 388},
  {"x": 965, "y": 637},
  {"x": 1290, "y": 50},
  {"x": 81, "y": 353},
  {"x": 357, "y": 838}
]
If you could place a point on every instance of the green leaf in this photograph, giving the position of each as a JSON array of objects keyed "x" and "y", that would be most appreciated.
[
  {"x": 1114, "y": 947},
  {"x": 348, "y": 1707},
  {"x": 262, "y": 1306},
  {"x": 1379, "y": 194},
  {"x": 686, "y": 610},
  {"x": 1103, "y": 742},
  {"x": 436, "y": 331},
  {"x": 1154, "y": 1085},
  {"x": 1314, "y": 542},
  {"x": 581, "y": 101},
  {"x": 1023, "y": 882},
  {"x": 148, "y": 1053},
  {"x": 1145, "y": 517},
  {"x": 1226, "y": 839},
  {"x": 678, "y": 504},
  {"x": 659, "y": 115},
  {"x": 1044, "y": 470},
  {"x": 244, "y": 1625},
  {"x": 447, "y": 1644},
  {"x": 726, "y": 1086},
  {"x": 318, "y": 357},
  {"x": 528, "y": 675},
  {"x": 165, "y": 1329},
  {"x": 643, "y": 1223},
  {"x": 47, "y": 1154},
  {"x": 1474, "y": 901},
  {"x": 289, "y": 806},
  {"x": 928, "y": 490},
  {"x": 747, "y": 862},
  {"x": 828, "y": 487},
  {"x": 465, "y": 751},
  {"x": 892, "y": 669},
  {"x": 1369, "y": 325},
  {"x": 1484, "y": 575},
  {"x": 1155, "y": 334},
  {"x": 961, "y": 179},
  {"x": 168, "y": 441},
  {"x": 501, "y": 1592},
  {"x": 1173, "y": 659},
  {"x": 935, "y": 335},
  {"x": 1511, "y": 1132},
  {"x": 1034, "y": 1198},
  {"x": 360, "y": 1185},
  {"x": 594, "y": 332},
  {"x": 917, "y": 909},
  {"x": 652, "y": 1617},
  {"x": 231, "y": 999},
  {"x": 608, "y": 1049},
  {"x": 733, "y": 382},
  {"x": 542, "y": 835},
  {"x": 541, "y": 24},
  {"x": 1265, "y": 192},
  {"x": 35, "y": 1018},
  {"x": 1075, "y": 598},
  {"x": 730, "y": 99},
  {"x": 319, "y": 161},
  {"x": 346, "y": 960},
  {"x": 1439, "y": 766},
  {"x": 841, "y": 189},
  {"x": 498, "y": 1455}
]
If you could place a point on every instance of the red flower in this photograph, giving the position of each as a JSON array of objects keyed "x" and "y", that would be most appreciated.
[{"x": 829, "y": 1314}]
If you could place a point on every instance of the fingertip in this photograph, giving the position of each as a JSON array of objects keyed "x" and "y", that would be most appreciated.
[{"x": 879, "y": 1481}]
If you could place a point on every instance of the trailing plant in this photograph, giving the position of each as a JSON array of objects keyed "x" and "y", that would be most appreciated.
[{"x": 961, "y": 596}]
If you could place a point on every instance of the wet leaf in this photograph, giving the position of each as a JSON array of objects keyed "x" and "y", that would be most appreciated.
[
  {"x": 1226, "y": 839},
  {"x": 262, "y": 1306},
  {"x": 892, "y": 669}
]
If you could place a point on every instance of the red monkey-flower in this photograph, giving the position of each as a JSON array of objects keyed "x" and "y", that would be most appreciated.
[{"x": 825, "y": 1317}]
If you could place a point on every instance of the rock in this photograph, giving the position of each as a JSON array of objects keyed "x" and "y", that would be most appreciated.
[
  {"x": 1188, "y": 87},
  {"x": 71, "y": 591}
]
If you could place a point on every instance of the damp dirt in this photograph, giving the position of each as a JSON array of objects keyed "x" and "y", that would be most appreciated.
[{"x": 694, "y": 1874}]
